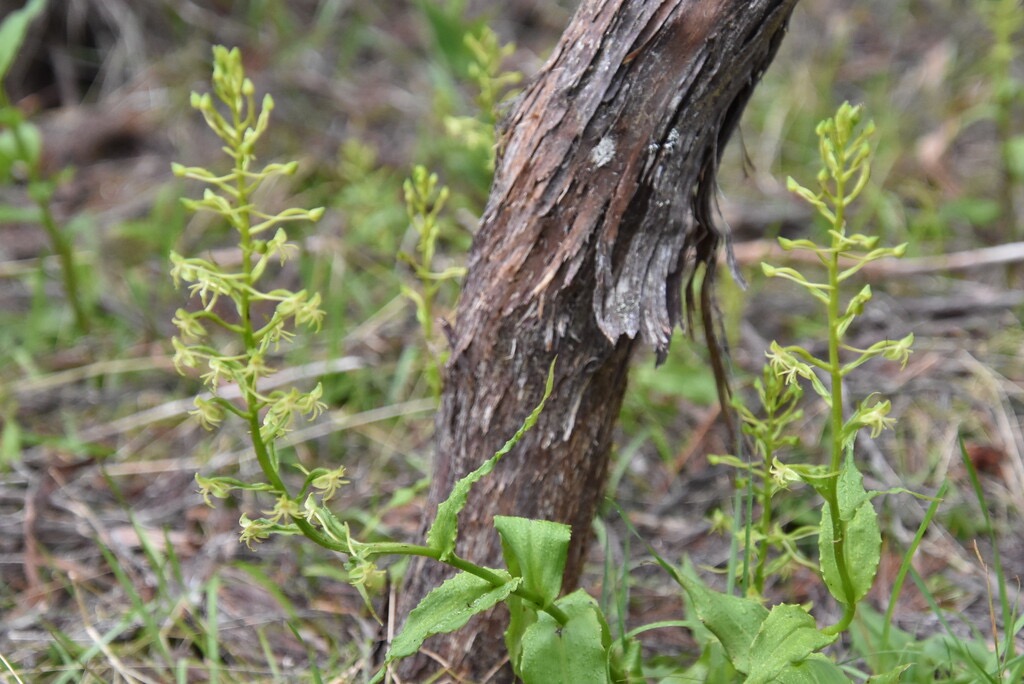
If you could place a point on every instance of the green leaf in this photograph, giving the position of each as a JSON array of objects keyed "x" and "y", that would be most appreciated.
[
  {"x": 787, "y": 637},
  {"x": 450, "y": 26},
  {"x": 13, "y": 30},
  {"x": 977, "y": 211},
  {"x": 1014, "y": 153},
  {"x": 567, "y": 654},
  {"x": 445, "y": 528},
  {"x": 815, "y": 669},
  {"x": 863, "y": 539},
  {"x": 713, "y": 667},
  {"x": 11, "y": 214},
  {"x": 733, "y": 620},
  {"x": 10, "y": 442},
  {"x": 891, "y": 677},
  {"x": 535, "y": 550},
  {"x": 522, "y": 614},
  {"x": 448, "y": 608},
  {"x": 852, "y": 495}
]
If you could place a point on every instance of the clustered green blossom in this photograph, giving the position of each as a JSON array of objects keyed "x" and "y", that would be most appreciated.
[
  {"x": 845, "y": 152},
  {"x": 228, "y": 300},
  {"x": 247, "y": 358},
  {"x": 848, "y": 536},
  {"x": 492, "y": 83},
  {"x": 424, "y": 201},
  {"x": 848, "y": 533}
]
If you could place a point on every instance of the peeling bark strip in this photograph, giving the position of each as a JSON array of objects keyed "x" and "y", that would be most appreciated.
[{"x": 599, "y": 214}]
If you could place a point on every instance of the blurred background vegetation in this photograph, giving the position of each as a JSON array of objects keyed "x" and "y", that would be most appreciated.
[{"x": 111, "y": 567}]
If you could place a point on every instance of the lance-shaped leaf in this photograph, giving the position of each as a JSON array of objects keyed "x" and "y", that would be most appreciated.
[
  {"x": 445, "y": 529},
  {"x": 862, "y": 539},
  {"x": 13, "y": 31},
  {"x": 448, "y": 608}
]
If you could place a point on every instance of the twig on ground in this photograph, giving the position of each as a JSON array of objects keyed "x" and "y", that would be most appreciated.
[{"x": 754, "y": 252}]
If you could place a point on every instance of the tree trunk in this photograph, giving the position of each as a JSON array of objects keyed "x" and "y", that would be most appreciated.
[{"x": 599, "y": 215}]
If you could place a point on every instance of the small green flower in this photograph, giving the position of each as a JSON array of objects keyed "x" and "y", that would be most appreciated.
[
  {"x": 253, "y": 531},
  {"x": 329, "y": 481},
  {"x": 279, "y": 246},
  {"x": 212, "y": 486},
  {"x": 209, "y": 411},
  {"x": 874, "y": 416},
  {"x": 309, "y": 404},
  {"x": 364, "y": 573},
  {"x": 784, "y": 474},
  {"x": 184, "y": 356},
  {"x": 900, "y": 350},
  {"x": 189, "y": 325},
  {"x": 285, "y": 510},
  {"x": 256, "y": 367},
  {"x": 303, "y": 308},
  {"x": 786, "y": 365}
]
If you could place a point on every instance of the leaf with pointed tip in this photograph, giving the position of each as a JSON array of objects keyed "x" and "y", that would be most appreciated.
[
  {"x": 448, "y": 608},
  {"x": 786, "y": 638},
  {"x": 733, "y": 620},
  {"x": 567, "y": 654},
  {"x": 13, "y": 31},
  {"x": 535, "y": 550},
  {"x": 862, "y": 546},
  {"x": 445, "y": 529}
]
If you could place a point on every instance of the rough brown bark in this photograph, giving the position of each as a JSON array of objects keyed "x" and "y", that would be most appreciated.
[{"x": 599, "y": 214}]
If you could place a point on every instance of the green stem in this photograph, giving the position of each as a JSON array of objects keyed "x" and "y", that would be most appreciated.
[
  {"x": 835, "y": 366},
  {"x": 836, "y": 418},
  {"x": 766, "y": 502},
  {"x": 65, "y": 253},
  {"x": 41, "y": 195},
  {"x": 253, "y": 403},
  {"x": 270, "y": 470},
  {"x": 400, "y": 549}
]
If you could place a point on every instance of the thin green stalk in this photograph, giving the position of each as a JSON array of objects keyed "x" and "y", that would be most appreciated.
[
  {"x": 762, "y": 550},
  {"x": 212, "y": 630},
  {"x": 65, "y": 253},
  {"x": 734, "y": 541},
  {"x": 905, "y": 565},
  {"x": 836, "y": 416},
  {"x": 41, "y": 194},
  {"x": 769, "y": 446},
  {"x": 253, "y": 403},
  {"x": 1006, "y": 606},
  {"x": 459, "y": 563},
  {"x": 835, "y": 367},
  {"x": 240, "y": 130}
]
